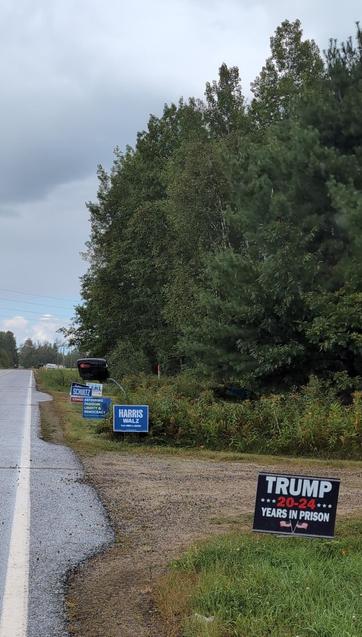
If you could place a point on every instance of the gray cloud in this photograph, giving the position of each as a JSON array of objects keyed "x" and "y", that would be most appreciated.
[
  {"x": 6, "y": 211},
  {"x": 80, "y": 77},
  {"x": 40, "y": 245},
  {"x": 53, "y": 147}
]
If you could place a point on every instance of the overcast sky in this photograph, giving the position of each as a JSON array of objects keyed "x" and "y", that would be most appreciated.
[{"x": 79, "y": 77}]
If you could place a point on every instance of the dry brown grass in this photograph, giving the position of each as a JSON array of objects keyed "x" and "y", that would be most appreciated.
[
  {"x": 172, "y": 598},
  {"x": 52, "y": 424}
]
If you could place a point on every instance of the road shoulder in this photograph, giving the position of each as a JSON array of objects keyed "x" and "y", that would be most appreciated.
[{"x": 159, "y": 506}]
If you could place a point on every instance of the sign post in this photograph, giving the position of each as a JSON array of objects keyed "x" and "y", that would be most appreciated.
[{"x": 296, "y": 505}]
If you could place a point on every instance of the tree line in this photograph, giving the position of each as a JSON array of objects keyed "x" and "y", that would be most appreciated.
[
  {"x": 33, "y": 354},
  {"x": 229, "y": 239}
]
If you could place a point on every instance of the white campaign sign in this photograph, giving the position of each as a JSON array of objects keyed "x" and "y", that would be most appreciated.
[{"x": 97, "y": 389}]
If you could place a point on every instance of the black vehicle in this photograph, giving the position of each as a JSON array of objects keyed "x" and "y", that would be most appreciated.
[{"x": 93, "y": 369}]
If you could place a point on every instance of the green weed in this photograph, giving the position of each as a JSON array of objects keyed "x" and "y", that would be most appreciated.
[
  {"x": 309, "y": 422},
  {"x": 57, "y": 379}
]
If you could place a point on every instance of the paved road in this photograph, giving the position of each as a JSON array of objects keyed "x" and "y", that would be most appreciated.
[{"x": 49, "y": 519}]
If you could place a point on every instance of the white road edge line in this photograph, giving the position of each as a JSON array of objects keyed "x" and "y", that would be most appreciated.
[{"x": 14, "y": 613}]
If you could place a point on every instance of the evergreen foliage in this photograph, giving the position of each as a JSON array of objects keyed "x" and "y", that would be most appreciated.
[
  {"x": 230, "y": 238},
  {"x": 8, "y": 351},
  {"x": 38, "y": 354}
]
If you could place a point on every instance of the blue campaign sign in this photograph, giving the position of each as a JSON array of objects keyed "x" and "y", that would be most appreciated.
[
  {"x": 130, "y": 418},
  {"x": 78, "y": 392},
  {"x": 96, "y": 407}
]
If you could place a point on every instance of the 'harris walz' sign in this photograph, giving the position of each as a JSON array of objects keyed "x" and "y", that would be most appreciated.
[
  {"x": 131, "y": 418},
  {"x": 298, "y": 505}
]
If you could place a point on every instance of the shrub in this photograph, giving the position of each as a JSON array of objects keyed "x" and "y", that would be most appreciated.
[{"x": 306, "y": 422}]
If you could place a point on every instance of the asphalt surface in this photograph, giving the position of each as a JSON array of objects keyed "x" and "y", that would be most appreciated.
[{"x": 67, "y": 521}]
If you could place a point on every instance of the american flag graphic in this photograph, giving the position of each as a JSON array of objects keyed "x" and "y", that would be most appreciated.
[
  {"x": 288, "y": 525},
  {"x": 302, "y": 525}
]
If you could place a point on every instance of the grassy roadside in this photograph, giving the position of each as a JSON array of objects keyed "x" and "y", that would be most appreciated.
[
  {"x": 262, "y": 586},
  {"x": 62, "y": 421},
  {"x": 242, "y": 584},
  {"x": 311, "y": 422}
]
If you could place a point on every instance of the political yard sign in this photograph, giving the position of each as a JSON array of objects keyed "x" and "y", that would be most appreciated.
[
  {"x": 296, "y": 505},
  {"x": 96, "y": 408},
  {"x": 131, "y": 418},
  {"x": 97, "y": 389},
  {"x": 78, "y": 392}
]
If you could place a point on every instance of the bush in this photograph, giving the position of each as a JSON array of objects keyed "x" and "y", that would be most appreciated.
[{"x": 311, "y": 421}]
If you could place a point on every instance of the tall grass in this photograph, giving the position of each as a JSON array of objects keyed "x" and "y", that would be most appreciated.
[
  {"x": 183, "y": 413},
  {"x": 57, "y": 379},
  {"x": 311, "y": 421}
]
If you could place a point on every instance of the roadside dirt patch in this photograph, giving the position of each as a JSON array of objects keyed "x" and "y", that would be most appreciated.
[
  {"x": 51, "y": 428},
  {"x": 159, "y": 505}
]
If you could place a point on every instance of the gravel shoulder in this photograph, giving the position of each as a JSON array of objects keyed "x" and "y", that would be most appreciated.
[
  {"x": 158, "y": 506},
  {"x": 68, "y": 524}
]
